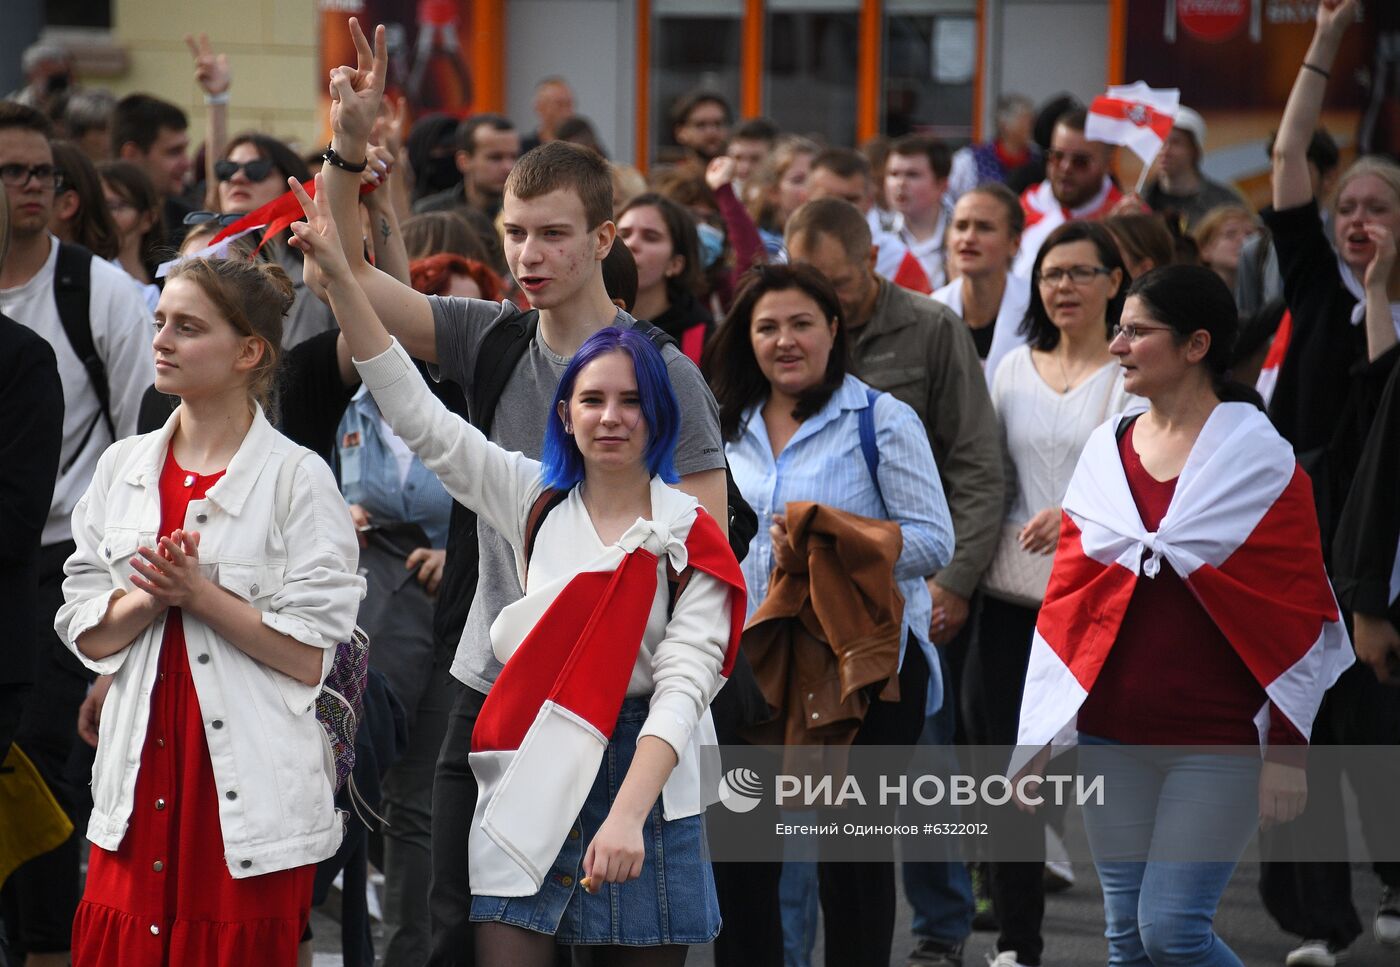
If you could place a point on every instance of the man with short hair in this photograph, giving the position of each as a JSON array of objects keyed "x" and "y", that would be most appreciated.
[
  {"x": 700, "y": 124},
  {"x": 845, "y": 174},
  {"x": 488, "y": 145},
  {"x": 153, "y": 134},
  {"x": 749, "y": 146},
  {"x": 554, "y": 103},
  {"x": 916, "y": 180},
  {"x": 922, "y": 353},
  {"x": 1076, "y": 185},
  {"x": 558, "y": 230},
  {"x": 1180, "y": 186},
  {"x": 95, "y": 319}
]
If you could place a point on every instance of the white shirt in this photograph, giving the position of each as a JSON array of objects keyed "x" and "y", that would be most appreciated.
[
  {"x": 1045, "y": 430},
  {"x": 270, "y": 757},
  {"x": 121, "y": 334},
  {"x": 1006, "y": 336}
]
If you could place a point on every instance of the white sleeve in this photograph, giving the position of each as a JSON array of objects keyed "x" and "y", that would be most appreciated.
[
  {"x": 121, "y": 334},
  {"x": 498, "y": 484},
  {"x": 88, "y": 589},
  {"x": 686, "y": 664},
  {"x": 321, "y": 588}
]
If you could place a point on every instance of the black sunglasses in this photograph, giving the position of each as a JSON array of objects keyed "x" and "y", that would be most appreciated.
[
  {"x": 224, "y": 219},
  {"x": 256, "y": 170}
]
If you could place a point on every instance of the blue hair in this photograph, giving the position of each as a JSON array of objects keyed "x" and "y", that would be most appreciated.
[{"x": 562, "y": 463}]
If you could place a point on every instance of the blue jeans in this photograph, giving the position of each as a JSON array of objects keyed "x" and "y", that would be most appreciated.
[
  {"x": 1162, "y": 911},
  {"x": 940, "y": 893}
]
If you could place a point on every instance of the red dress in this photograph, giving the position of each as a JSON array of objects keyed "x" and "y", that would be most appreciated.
[{"x": 166, "y": 896}]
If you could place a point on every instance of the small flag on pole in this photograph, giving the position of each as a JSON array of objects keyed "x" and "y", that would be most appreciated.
[{"x": 1135, "y": 116}]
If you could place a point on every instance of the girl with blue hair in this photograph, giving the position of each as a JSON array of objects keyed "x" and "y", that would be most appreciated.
[{"x": 588, "y": 820}]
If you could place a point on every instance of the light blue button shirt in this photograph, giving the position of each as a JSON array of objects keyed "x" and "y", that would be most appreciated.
[
  {"x": 369, "y": 475},
  {"x": 823, "y": 462}
]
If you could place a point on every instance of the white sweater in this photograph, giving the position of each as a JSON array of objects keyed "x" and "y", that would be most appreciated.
[{"x": 1045, "y": 430}]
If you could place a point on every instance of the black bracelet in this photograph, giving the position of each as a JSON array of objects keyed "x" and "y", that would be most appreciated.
[
  {"x": 331, "y": 158},
  {"x": 1317, "y": 70}
]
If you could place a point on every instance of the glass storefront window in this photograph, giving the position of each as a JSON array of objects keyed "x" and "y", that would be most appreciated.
[
  {"x": 695, "y": 46},
  {"x": 810, "y": 71},
  {"x": 930, "y": 60}
]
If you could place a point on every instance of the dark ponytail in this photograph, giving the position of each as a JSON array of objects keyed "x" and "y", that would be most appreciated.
[{"x": 1191, "y": 298}]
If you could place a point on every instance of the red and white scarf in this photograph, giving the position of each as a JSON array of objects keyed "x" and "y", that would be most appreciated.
[
  {"x": 569, "y": 648},
  {"x": 1044, "y": 214},
  {"x": 1241, "y": 531}
]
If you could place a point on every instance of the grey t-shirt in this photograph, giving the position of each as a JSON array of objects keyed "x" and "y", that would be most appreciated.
[{"x": 519, "y": 425}]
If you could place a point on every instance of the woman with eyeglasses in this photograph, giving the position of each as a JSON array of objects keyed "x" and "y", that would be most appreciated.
[
  {"x": 1189, "y": 608},
  {"x": 1049, "y": 396}
]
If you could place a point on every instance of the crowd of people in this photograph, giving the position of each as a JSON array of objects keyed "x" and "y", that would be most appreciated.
[{"x": 780, "y": 443}]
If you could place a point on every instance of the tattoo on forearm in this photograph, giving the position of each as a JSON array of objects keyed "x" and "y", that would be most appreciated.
[{"x": 384, "y": 228}]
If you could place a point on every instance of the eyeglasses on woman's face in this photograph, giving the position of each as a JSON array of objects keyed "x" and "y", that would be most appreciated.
[
  {"x": 1132, "y": 332},
  {"x": 1078, "y": 274}
]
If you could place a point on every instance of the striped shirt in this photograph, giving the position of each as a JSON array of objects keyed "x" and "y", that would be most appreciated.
[{"x": 823, "y": 462}]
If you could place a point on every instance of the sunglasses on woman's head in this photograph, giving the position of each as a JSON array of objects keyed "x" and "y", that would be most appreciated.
[{"x": 255, "y": 170}]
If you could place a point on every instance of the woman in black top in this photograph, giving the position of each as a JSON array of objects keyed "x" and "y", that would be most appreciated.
[
  {"x": 1320, "y": 402},
  {"x": 661, "y": 236},
  {"x": 1324, "y": 405}
]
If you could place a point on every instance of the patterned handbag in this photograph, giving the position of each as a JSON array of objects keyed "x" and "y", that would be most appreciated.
[
  {"x": 341, "y": 701},
  {"x": 1015, "y": 574}
]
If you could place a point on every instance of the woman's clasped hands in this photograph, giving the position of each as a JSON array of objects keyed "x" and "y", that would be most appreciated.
[{"x": 169, "y": 572}]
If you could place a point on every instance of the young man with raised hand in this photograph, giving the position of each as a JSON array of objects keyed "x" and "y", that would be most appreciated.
[{"x": 558, "y": 229}]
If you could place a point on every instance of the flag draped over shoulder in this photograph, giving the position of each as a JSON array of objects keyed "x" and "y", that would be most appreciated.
[
  {"x": 569, "y": 648},
  {"x": 1241, "y": 531}
]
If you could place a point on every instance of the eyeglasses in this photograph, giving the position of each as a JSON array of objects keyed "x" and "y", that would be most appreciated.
[
  {"x": 1078, "y": 274},
  {"x": 1131, "y": 332},
  {"x": 256, "y": 170},
  {"x": 222, "y": 219},
  {"x": 17, "y": 176},
  {"x": 1078, "y": 160}
]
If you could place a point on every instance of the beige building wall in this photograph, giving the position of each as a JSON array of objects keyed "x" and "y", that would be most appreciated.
[{"x": 273, "y": 49}]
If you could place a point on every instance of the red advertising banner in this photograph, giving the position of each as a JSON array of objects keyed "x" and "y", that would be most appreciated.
[{"x": 1235, "y": 61}]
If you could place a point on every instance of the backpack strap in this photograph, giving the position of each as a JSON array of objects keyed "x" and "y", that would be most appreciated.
[
  {"x": 72, "y": 294},
  {"x": 1122, "y": 428},
  {"x": 548, "y": 499},
  {"x": 501, "y": 349},
  {"x": 869, "y": 448},
  {"x": 676, "y": 582}
]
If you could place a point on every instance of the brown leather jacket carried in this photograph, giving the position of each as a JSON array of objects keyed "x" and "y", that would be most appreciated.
[{"x": 821, "y": 638}]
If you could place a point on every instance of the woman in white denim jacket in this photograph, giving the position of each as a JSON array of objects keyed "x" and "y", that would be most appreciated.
[{"x": 212, "y": 787}]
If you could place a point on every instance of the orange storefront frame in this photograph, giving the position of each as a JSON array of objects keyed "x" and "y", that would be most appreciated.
[{"x": 869, "y": 82}]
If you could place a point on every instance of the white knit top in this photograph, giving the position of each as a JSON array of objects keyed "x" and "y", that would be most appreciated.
[{"x": 1045, "y": 430}]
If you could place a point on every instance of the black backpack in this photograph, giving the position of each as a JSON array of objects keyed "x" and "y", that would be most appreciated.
[
  {"x": 504, "y": 346},
  {"x": 72, "y": 294}
]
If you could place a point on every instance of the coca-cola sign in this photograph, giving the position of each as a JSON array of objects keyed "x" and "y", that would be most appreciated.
[{"x": 1213, "y": 21}]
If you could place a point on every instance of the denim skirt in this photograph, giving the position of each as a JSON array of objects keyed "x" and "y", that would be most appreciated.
[{"x": 672, "y": 902}]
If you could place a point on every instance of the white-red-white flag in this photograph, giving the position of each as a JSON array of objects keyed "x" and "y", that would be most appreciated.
[
  {"x": 569, "y": 648},
  {"x": 1134, "y": 115},
  {"x": 1241, "y": 531}
]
